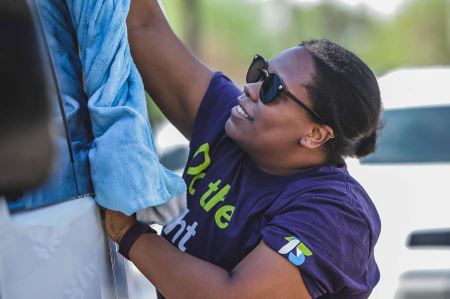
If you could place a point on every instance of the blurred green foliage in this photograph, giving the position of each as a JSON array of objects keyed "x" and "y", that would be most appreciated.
[{"x": 232, "y": 31}]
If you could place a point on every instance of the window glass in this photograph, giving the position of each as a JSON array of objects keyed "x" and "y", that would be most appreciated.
[
  {"x": 70, "y": 176},
  {"x": 24, "y": 112},
  {"x": 414, "y": 135}
]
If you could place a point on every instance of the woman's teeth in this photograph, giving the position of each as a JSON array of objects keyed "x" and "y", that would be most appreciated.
[{"x": 241, "y": 111}]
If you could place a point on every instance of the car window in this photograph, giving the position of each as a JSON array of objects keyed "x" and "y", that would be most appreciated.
[
  {"x": 175, "y": 159},
  {"x": 414, "y": 135},
  {"x": 61, "y": 183},
  {"x": 24, "y": 112},
  {"x": 69, "y": 176}
]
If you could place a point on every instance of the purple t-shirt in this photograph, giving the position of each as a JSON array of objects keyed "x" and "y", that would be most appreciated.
[{"x": 320, "y": 219}]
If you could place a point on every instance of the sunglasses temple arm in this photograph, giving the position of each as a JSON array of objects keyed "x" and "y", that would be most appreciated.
[{"x": 314, "y": 114}]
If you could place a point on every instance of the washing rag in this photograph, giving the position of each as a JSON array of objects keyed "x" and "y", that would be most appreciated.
[
  {"x": 125, "y": 170},
  {"x": 124, "y": 167}
]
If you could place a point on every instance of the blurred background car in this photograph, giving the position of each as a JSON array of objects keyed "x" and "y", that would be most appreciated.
[
  {"x": 407, "y": 178},
  {"x": 172, "y": 147}
]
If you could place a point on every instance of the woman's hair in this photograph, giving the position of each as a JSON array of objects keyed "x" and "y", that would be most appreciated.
[{"x": 345, "y": 92}]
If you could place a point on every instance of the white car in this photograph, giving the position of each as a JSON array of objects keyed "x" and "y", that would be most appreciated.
[
  {"x": 408, "y": 179},
  {"x": 54, "y": 247},
  {"x": 172, "y": 147}
]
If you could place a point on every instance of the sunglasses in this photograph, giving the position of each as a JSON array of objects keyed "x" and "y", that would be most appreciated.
[{"x": 272, "y": 85}]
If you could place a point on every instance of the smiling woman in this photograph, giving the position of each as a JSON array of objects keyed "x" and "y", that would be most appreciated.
[
  {"x": 280, "y": 119},
  {"x": 272, "y": 211}
]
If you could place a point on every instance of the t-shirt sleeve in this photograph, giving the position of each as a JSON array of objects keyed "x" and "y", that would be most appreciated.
[
  {"x": 327, "y": 240},
  {"x": 214, "y": 109}
]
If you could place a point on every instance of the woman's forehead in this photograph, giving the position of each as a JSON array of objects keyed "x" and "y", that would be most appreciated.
[{"x": 294, "y": 65}]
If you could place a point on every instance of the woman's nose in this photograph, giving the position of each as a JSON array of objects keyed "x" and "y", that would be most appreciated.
[{"x": 251, "y": 90}]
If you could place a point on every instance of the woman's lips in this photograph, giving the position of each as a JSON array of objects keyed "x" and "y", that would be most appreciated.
[{"x": 242, "y": 109}]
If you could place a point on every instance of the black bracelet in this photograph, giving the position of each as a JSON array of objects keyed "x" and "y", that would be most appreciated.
[{"x": 132, "y": 235}]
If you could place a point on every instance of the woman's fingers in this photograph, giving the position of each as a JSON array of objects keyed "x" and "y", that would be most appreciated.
[{"x": 117, "y": 224}]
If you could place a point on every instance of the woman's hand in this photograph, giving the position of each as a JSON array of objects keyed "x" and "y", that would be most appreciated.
[{"x": 117, "y": 224}]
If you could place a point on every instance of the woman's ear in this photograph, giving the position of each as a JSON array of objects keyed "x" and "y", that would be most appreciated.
[{"x": 319, "y": 135}]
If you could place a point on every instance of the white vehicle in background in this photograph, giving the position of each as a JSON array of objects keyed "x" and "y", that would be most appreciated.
[
  {"x": 172, "y": 147},
  {"x": 408, "y": 179}
]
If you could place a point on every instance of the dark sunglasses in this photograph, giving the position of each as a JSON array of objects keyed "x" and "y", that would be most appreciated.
[{"x": 272, "y": 85}]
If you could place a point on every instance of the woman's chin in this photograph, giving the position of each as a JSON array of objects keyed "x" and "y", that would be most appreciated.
[
  {"x": 232, "y": 131},
  {"x": 229, "y": 128}
]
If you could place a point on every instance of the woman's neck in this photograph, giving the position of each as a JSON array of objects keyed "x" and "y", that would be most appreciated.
[{"x": 288, "y": 164}]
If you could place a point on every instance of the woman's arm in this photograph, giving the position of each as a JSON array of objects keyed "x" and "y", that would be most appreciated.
[
  {"x": 172, "y": 75},
  {"x": 262, "y": 274}
]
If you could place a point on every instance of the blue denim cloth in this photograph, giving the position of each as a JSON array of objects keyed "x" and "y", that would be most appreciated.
[{"x": 89, "y": 45}]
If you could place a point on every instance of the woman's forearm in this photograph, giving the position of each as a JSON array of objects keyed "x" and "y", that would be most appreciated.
[
  {"x": 263, "y": 273},
  {"x": 177, "y": 274}
]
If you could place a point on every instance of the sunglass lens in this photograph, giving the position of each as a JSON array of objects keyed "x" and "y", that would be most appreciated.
[
  {"x": 255, "y": 71},
  {"x": 269, "y": 89}
]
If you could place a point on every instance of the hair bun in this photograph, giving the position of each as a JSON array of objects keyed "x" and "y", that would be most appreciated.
[{"x": 366, "y": 145}]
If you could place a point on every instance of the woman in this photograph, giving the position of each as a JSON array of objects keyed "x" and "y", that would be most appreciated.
[{"x": 273, "y": 212}]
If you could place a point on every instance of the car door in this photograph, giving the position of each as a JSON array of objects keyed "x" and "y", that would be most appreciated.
[{"x": 52, "y": 239}]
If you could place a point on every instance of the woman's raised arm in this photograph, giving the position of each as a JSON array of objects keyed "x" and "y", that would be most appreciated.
[{"x": 172, "y": 75}]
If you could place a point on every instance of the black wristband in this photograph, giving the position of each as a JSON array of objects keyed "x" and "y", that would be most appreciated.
[{"x": 132, "y": 235}]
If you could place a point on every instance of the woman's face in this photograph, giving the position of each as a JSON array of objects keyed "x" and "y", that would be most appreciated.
[{"x": 274, "y": 129}]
